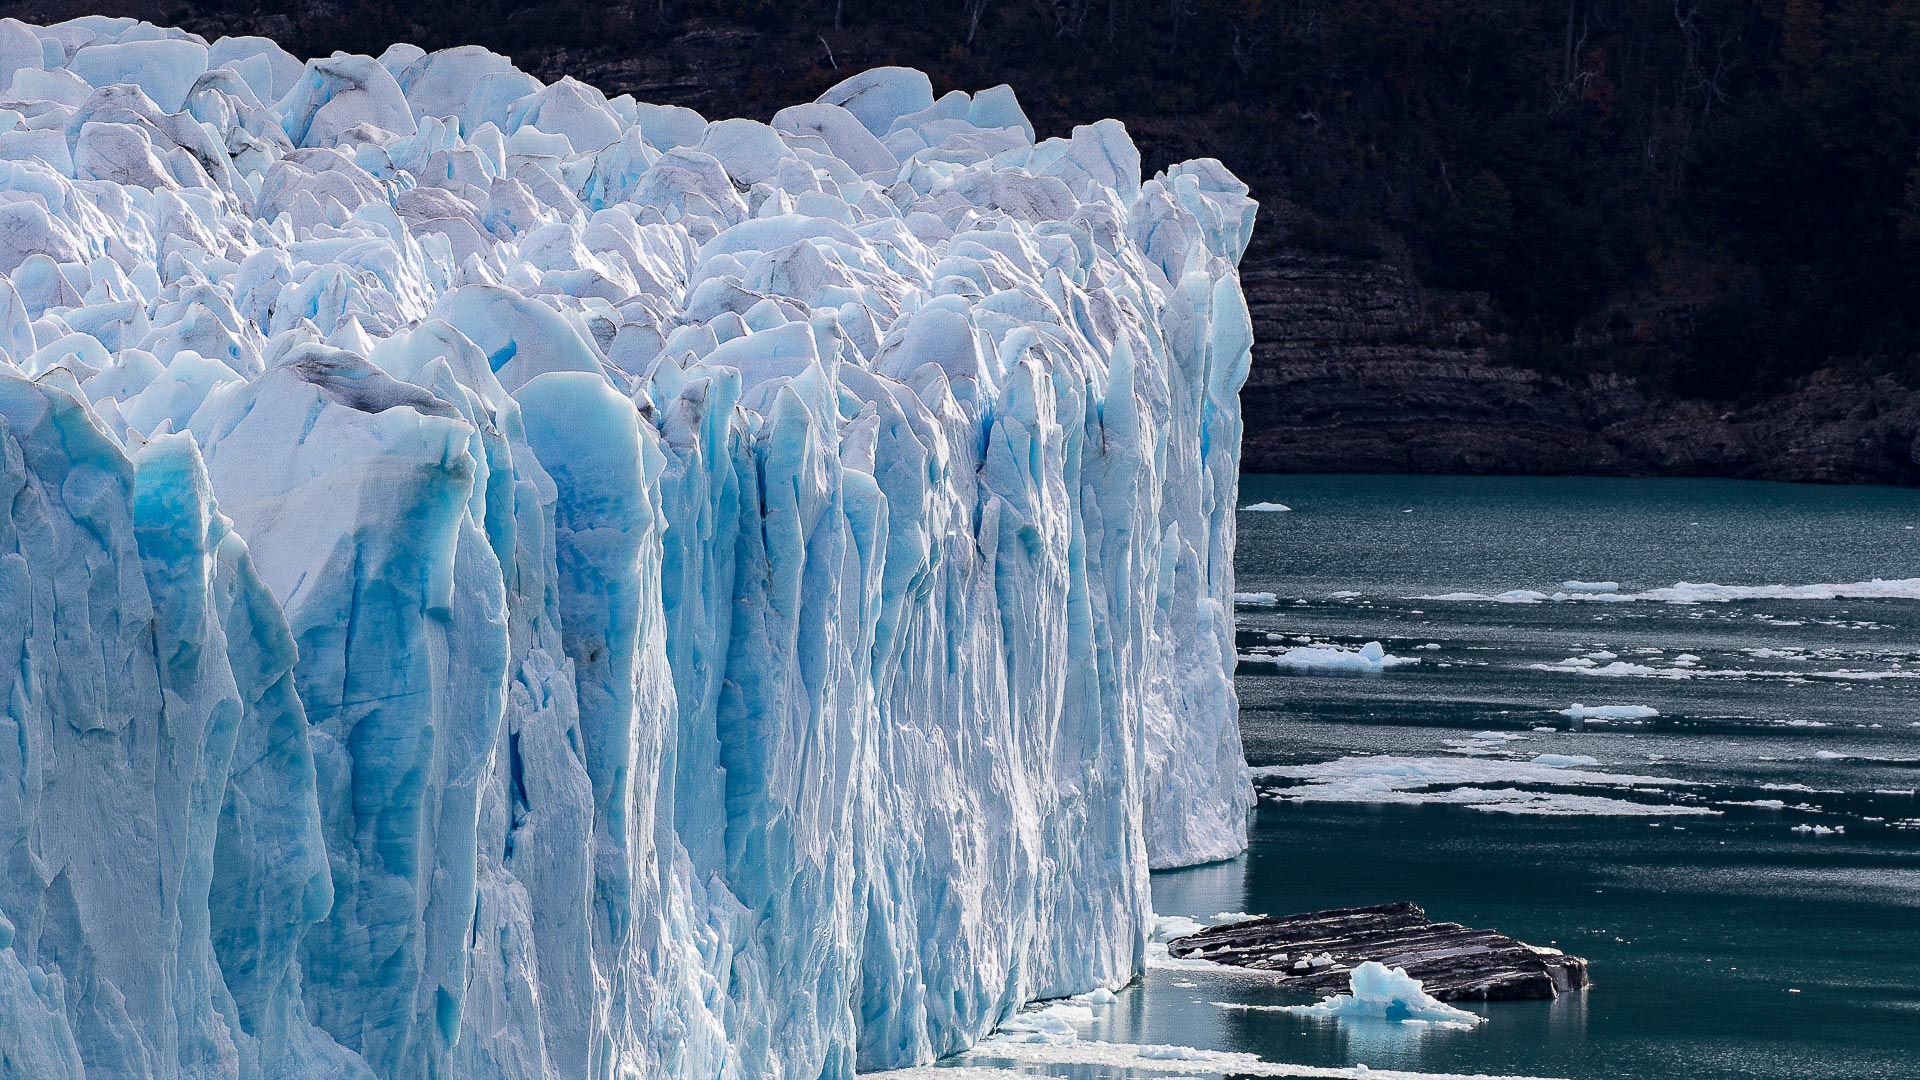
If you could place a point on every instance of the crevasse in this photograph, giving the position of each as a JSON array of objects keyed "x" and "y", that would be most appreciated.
[{"x": 500, "y": 581}]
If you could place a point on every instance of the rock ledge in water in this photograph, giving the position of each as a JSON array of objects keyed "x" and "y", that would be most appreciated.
[{"x": 1317, "y": 950}]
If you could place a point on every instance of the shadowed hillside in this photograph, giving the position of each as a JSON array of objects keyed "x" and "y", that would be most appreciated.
[{"x": 1631, "y": 236}]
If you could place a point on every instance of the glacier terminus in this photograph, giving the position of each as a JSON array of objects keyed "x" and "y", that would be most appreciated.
[{"x": 498, "y": 581}]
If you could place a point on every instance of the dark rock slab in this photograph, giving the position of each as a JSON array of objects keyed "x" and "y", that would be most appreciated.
[{"x": 1315, "y": 951}]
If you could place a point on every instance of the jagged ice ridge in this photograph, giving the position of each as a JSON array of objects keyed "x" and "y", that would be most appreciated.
[{"x": 500, "y": 581}]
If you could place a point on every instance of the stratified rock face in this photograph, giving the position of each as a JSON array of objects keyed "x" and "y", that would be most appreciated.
[
  {"x": 1319, "y": 950},
  {"x": 1358, "y": 369},
  {"x": 501, "y": 582}
]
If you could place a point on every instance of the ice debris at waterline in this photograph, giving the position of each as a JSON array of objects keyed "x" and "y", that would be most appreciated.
[
  {"x": 500, "y": 581},
  {"x": 1383, "y": 993}
]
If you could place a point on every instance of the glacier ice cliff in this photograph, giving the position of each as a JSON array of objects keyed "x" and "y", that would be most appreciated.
[{"x": 501, "y": 581}]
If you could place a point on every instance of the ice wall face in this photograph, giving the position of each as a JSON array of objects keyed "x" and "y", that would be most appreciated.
[{"x": 497, "y": 581}]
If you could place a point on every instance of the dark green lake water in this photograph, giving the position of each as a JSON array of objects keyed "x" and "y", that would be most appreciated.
[{"x": 1701, "y": 917}]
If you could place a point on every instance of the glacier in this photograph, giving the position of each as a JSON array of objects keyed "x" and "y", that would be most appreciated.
[{"x": 501, "y": 581}]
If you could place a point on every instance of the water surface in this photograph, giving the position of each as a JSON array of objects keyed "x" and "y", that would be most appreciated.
[{"x": 1752, "y": 911}]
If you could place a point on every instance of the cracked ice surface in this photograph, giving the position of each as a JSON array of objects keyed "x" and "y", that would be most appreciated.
[{"x": 500, "y": 581}]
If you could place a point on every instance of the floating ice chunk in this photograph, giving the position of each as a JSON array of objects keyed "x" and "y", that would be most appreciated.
[
  {"x": 1050, "y": 1023},
  {"x": 1685, "y": 592},
  {"x": 1383, "y": 993},
  {"x": 1473, "y": 781},
  {"x": 1233, "y": 917},
  {"x": 1098, "y": 998},
  {"x": 1609, "y": 712},
  {"x": 1564, "y": 761},
  {"x": 1266, "y": 508},
  {"x": 1256, "y": 599},
  {"x": 1168, "y": 927},
  {"x": 1511, "y": 596},
  {"x": 1370, "y": 658},
  {"x": 1591, "y": 586}
]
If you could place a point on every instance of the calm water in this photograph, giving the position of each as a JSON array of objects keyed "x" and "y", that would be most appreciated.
[{"x": 1700, "y": 917}]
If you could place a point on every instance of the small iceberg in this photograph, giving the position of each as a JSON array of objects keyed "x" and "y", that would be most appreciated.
[
  {"x": 1267, "y": 508},
  {"x": 1383, "y": 993},
  {"x": 1590, "y": 586}
]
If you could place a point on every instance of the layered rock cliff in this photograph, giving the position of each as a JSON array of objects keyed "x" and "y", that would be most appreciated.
[{"x": 1357, "y": 368}]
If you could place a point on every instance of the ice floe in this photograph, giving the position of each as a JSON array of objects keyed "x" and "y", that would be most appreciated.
[
  {"x": 1477, "y": 782},
  {"x": 1686, "y": 592},
  {"x": 1610, "y": 712},
  {"x": 1369, "y": 659}
]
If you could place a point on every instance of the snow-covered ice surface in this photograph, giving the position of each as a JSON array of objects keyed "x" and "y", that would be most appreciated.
[{"x": 500, "y": 581}]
